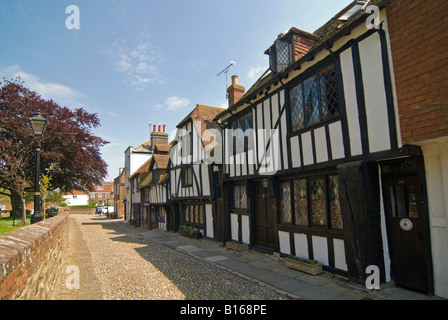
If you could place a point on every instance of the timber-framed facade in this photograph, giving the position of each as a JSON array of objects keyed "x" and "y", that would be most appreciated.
[
  {"x": 192, "y": 181},
  {"x": 323, "y": 173}
]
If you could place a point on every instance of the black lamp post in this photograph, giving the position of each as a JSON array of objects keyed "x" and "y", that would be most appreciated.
[{"x": 38, "y": 123}]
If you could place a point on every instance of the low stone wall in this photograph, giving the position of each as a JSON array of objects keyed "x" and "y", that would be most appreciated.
[
  {"x": 79, "y": 210},
  {"x": 32, "y": 260}
]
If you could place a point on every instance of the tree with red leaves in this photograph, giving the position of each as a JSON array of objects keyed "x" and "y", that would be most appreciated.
[{"x": 69, "y": 148}]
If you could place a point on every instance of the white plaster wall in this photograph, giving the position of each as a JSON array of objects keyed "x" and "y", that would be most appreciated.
[
  {"x": 245, "y": 229},
  {"x": 234, "y": 226},
  {"x": 436, "y": 166},
  {"x": 301, "y": 245},
  {"x": 209, "y": 220},
  {"x": 283, "y": 237}
]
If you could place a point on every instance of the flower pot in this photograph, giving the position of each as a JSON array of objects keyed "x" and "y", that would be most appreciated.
[
  {"x": 237, "y": 246},
  {"x": 310, "y": 268},
  {"x": 191, "y": 234}
]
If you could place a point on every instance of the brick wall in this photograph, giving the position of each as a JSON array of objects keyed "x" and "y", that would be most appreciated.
[
  {"x": 419, "y": 43},
  {"x": 32, "y": 260}
]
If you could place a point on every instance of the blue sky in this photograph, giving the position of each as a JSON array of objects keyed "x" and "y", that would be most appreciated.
[{"x": 136, "y": 62}]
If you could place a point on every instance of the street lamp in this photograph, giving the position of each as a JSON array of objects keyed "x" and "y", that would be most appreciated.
[{"x": 38, "y": 124}]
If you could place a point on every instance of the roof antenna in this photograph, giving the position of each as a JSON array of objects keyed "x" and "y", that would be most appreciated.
[
  {"x": 225, "y": 71},
  {"x": 150, "y": 125}
]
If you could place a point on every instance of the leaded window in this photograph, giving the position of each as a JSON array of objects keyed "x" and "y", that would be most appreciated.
[
  {"x": 315, "y": 99},
  {"x": 194, "y": 214},
  {"x": 300, "y": 202},
  {"x": 311, "y": 202},
  {"x": 242, "y": 135},
  {"x": 317, "y": 202},
  {"x": 285, "y": 202},
  {"x": 335, "y": 206},
  {"x": 187, "y": 176},
  {"x": 239, "y": 196},
  {"x": 280, "y": 56}
]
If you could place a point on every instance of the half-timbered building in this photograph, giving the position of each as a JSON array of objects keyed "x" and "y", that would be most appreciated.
[
  {"x": 314, "y": 164},
  {"x": 193, "y": 180},
  {"x": 154, "y": 192}
]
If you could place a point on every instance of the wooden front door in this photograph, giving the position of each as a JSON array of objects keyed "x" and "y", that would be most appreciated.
[
  {"x": 264, "y": 216},
  {"x": 406, "y": 232}
]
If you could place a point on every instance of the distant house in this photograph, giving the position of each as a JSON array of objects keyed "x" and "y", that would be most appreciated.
[
  {"x": 134, "y": 175},
  {"x": 134, "y": 159},
  {"x": 102, "y": 194},
  {"x": 76, "y": 198},
  {"x": 119, "y": 194}
]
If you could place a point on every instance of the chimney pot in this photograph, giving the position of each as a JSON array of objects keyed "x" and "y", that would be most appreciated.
[
  {"x": 160, "y": 128},
  {"x": 155, "y": 128},
  {"x": 235, "y": 91},
  {"x": 164, "y": 128}
]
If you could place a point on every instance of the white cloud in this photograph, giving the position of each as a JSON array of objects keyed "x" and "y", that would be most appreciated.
[
  {"x": 175, "y": 103},
  {"x": 47, "y": 90},
  {"x": 137, "y": 59},
  {"x": 256, "y": 72}
]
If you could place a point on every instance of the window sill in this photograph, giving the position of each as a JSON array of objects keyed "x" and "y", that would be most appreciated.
[{"x": 315, "y": 126}]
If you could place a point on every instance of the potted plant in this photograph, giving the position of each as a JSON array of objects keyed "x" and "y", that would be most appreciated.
[
  {"x": 304, "y": 265},
  {"x": 190, "y": 232},
  {"x": 237, "y": 245}
]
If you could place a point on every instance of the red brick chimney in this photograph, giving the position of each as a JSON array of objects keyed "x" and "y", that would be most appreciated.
[
  {"x": 159, "y": 137},
  {"x": 235, "y": 91}
]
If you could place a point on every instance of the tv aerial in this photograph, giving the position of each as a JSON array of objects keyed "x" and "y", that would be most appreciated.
[{"x": 225, "y": 71}]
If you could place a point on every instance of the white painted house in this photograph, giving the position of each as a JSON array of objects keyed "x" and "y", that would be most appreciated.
[{"x": 76, "y": 198}]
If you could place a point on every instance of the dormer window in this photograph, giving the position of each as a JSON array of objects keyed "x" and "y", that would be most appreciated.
[
  {"x": 280, "y": 56},
  {"x": 289, "y": 48},
  {"x": 351, "y": 11}
]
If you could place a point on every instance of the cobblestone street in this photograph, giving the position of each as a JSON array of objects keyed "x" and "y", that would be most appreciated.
[
  {"x": 117, "y": 264},
  {"x": 117, "y": 261}
]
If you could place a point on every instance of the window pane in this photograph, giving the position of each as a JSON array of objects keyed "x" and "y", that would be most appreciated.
[
  {"x": 240, "y": 196},
  {"x": 282, "y": 48},
  {"x": 300, "y": 202},
  {"x": 398, "y": 197},
  {"x": 285, "y": 202},
  {"x": 196, "y": 214},
  {"x": 187, "y": 214},
  {"x": 315, "y": 99},
  {"x": 317, "y": 200},
  {"x": 311, "y": 100},
  {"x": 297, "y": 111},
  {"x": 243, "y": 197},
  {"x": 335, "y": 207},
  {"x": 201, "y": 214},
  {"x": 329, "y": 93}
]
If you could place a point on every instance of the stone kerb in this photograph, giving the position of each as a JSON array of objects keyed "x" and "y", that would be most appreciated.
[{"x": 32, "y": 260}]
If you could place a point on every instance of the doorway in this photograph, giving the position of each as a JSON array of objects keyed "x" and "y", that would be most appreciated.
[
  {"x": 264, "y": 216},
  {"x": 407, "y": 228}
]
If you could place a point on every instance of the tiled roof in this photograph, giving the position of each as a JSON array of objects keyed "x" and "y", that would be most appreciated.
[
  {"x": 202, "y": 113},
  {"x": 163, "y": 147},
  {"x": 144, "y": 147},
  {"x": 161, "y": 160}
]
